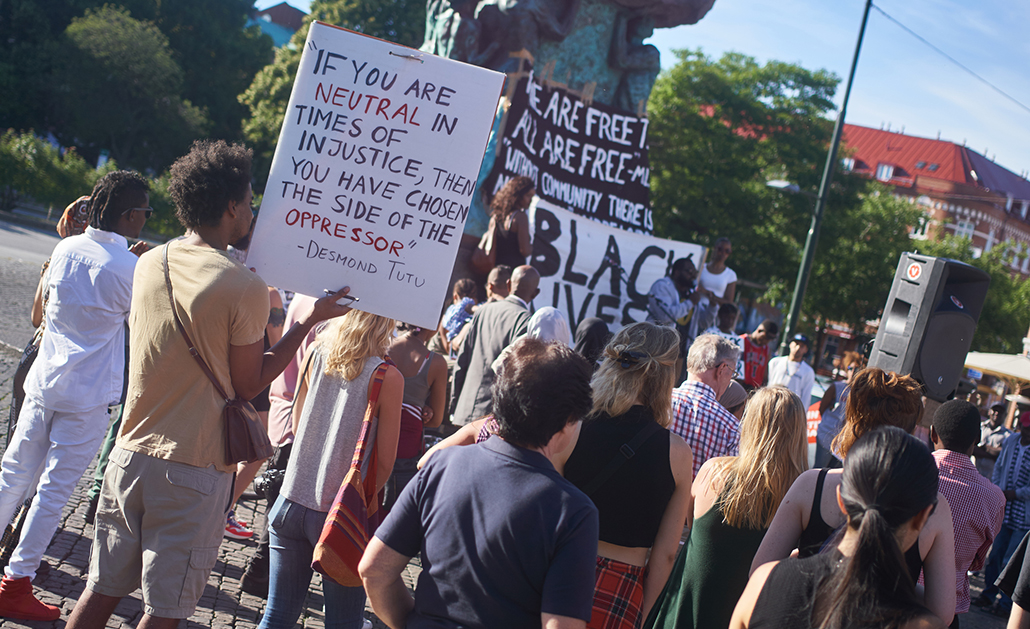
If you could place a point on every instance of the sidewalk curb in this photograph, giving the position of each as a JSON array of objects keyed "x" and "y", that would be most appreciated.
[{"x": 6, "y": 348}]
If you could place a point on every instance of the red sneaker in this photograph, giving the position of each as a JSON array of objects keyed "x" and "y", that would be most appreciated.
[
  {"x": 235, "y": 529},
  {"x": 17, "y": 601}
]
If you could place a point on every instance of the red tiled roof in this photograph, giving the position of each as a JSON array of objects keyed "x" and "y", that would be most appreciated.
[
  {"x": 911, "y": 156},
  {"x": 285, "y": 15}
]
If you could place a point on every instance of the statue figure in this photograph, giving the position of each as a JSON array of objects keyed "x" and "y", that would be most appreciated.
[
  {"x": 586, "y": 42},
  {"x": 638, "y": 61}
]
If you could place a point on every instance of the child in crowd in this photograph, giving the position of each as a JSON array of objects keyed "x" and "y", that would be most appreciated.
[{"x": 458, "y": 313}]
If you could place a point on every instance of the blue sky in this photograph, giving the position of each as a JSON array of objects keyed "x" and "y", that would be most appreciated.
[{"x": 900, "y": 81}]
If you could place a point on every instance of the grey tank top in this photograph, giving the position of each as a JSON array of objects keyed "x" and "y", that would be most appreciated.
[
  {"x": 416, "y": 388},
  {"x": 330, "y": 424}
]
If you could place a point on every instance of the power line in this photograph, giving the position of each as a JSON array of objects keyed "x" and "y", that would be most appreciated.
[{"x": 952, "y": 59}]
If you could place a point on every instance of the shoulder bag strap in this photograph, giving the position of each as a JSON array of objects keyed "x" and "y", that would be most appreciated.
[
  {"x": 626, "y": 452},
  {"x": 366, "y": 425},
  {"x": 182, "y": 330}
]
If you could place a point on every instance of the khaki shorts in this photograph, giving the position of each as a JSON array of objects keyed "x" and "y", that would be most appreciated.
[{"x": 159, "y": 525}]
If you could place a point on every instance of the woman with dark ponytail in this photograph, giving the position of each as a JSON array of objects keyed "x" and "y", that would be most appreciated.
[
  {"x": 808, "y": 516},
  {"x": 888, "y": 492}
]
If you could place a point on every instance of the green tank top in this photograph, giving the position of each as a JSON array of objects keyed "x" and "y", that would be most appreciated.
[{"x": 708, "y": 577}]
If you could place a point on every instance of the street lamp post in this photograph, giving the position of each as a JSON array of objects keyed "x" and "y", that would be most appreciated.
[{"x": 820, "y": 205}]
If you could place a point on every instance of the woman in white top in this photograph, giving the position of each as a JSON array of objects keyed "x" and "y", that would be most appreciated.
[{"x": 717, "y": 278}]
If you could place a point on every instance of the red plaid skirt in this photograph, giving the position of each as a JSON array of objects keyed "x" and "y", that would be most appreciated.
[{"x": 618, "y": 595}]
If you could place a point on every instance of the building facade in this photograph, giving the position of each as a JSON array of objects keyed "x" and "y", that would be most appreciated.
[{"x": 961, "y": 192}]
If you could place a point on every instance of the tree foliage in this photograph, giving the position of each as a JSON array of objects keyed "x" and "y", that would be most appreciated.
[
  {"x": 121, "y": 90},
  {"x": 218, "y": 55},
  {"x": 399, "y": 21},
  {"x": 1006, "y": 312},
  {"x": 32, "y": 167},
  {"x": 859, "y": 251},
  {"x": 718, "y": 131}
]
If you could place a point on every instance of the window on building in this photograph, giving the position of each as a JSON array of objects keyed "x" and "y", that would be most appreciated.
[
  {"x": 920, "y": 230},
  {"x": 920, "y": 165},
  {"x": 933, "y": 167},
  {"x": 964, "y": 229},
  {"x": 848, "y": 163},
  {"x": 884, "y": 172}
]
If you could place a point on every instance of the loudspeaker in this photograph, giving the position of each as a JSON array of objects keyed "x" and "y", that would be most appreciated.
[{"x": 928, "y": 322}]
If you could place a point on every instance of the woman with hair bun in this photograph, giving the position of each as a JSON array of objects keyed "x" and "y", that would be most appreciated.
[
  {"x": 643, "y": 500},
  {"x": 808, "y": 515},
  {"x": 887, "y": 492},
  {"x": 735, "y": 499}
]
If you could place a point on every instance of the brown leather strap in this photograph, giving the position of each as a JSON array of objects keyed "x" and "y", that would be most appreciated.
[{"x": 182, "y": 330}]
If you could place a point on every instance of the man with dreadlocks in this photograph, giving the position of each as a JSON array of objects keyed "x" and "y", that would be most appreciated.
[{"x": 77, "y": 375}]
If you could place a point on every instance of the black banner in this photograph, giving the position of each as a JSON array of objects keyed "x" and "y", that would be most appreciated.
[{"x": 588, "y": 158}]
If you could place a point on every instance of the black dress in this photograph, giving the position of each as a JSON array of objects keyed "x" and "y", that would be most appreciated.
[{"x": 506, "y": 247}]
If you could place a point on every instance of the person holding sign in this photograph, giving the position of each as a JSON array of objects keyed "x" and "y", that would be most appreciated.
[{"x": 162, "y": 509}]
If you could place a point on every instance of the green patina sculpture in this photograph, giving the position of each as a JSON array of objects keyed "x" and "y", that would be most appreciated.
[{"x": 595, "y": 47}]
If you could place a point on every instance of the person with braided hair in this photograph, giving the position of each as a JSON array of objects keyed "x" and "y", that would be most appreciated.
[
  {"x": 77, "y": 376},
  {"x": 887, "y": 493},
  {"x": 808, "y": 516},
  {"x": 637, "y": 472}
]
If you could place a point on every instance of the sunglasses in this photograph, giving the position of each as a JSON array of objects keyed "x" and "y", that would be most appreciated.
[{"x": 148, "y": 211}]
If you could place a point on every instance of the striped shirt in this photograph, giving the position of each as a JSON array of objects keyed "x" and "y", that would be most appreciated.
[
  {"x": 977, "y": 506},
  {"x": 709, "y": 429}
]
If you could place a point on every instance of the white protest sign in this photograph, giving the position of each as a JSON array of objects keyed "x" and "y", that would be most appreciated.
[
  {"x": 588, "y": 269},
  {"x": 373, "y": 175}
]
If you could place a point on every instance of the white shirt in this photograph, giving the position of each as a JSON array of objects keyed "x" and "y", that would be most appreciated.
[
  {"x": 716, "y": 282},
  {"x": 798, "y": 377},
  {"x": 81, "y": 361}
]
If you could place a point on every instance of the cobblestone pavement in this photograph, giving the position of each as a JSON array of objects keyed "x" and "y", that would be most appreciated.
[
  {"x": 18, "y": 280},
  {"x": 222, "y": 605}
]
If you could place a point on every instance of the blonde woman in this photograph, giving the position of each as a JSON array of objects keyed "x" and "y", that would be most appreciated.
[
  {"x": 735, "y": 499},
  {"x": 329, "y": 409},
  {"x": 643, "y": 500}
]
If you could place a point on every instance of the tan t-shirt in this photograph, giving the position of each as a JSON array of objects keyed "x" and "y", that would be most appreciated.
[{"x": 172, "y": 410}]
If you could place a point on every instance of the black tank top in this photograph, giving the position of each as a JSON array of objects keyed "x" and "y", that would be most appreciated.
[
  {"x": 632, "y": 501},
  {"x": 788, "y": 597},
  {"x": 818, "y": 531},
  {"x": 507, "y": 248}
]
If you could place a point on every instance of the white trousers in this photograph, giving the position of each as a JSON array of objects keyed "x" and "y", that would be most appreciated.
[{"x": 49, "y": 452}]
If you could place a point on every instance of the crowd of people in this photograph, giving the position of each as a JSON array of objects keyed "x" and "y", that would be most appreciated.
[{"x": 656, "y": 476}]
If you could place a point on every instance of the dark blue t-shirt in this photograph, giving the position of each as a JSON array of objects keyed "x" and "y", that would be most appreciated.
[{"x": 503, "y": 539}]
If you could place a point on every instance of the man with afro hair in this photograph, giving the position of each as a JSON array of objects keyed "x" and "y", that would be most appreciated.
[{"x": 166, "y": 490}]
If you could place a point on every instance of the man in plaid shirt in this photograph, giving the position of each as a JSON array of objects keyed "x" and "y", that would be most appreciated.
[
  {"x": 697, "y": 416},
  {"x": 977, "y": 505}
]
